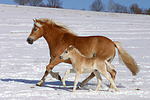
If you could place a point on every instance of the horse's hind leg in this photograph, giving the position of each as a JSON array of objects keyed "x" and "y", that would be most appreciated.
[
  {"x": 99, "y": 79},
  {"x": 112, "y": 73},
  {"x": 86, "y": 80}
]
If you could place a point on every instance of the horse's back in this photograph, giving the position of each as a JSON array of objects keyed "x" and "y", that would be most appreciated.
[{"x": 98, "y": 46}]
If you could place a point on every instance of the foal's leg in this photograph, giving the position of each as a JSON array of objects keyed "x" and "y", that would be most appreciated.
[
  {"x": 66, "y": 73},
  {"x": 76, "y": 80},
  {"x": 112, "y": 72},
  {"x": 111, "y": 81},
  {"x": 49, "y": 67},
  {"x": 99, "y": 79},
  {"x": 104, "y": 73}
]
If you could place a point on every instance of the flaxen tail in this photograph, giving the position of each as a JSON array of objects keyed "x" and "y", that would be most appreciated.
[{"x": 127, "y": 59}]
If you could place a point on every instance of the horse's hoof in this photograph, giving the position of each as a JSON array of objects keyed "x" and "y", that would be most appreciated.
[
  {"x": 59, "y": 78},
  {"x": 39, "y": 84},
  {"x": 80, "y": 86}
]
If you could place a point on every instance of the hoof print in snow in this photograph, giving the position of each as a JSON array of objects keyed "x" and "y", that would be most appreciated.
[
  {"x": 32, "y": 87},
  {"x": 137, "y": 89}
]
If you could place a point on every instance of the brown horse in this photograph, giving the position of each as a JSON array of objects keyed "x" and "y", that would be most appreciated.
[{"x": 59, "y": 38}]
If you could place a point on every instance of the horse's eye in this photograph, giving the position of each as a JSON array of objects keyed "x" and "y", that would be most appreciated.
[
  {"x": 34, "y": 29},
  {"x": 66, "y": 51}
]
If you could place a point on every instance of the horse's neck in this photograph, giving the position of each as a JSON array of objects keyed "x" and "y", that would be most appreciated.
[
  {"x": 53, "y": 38},
  {"x": 76, "y": 57}
]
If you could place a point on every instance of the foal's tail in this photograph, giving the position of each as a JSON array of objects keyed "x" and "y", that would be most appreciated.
[{"x": 127, "y": 59}]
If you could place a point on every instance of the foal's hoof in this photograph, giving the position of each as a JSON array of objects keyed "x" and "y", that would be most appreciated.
[
  {"x": 113, "y": 90},
  {"x": 64, "y": 85},
  {"x": 117, "y": 90},
  {"x": 111, "y": 87}
]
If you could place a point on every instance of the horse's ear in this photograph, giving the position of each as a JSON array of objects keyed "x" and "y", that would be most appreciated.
[
  {"x": 71, "y": 47},
  {"x": 34, "y": 20}
]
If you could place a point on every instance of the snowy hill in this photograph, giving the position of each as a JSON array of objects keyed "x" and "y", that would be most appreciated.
[{"x": 23, "y": 65}]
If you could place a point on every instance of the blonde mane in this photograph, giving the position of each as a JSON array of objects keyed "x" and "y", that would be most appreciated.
[{"x": 55, "y": 24}]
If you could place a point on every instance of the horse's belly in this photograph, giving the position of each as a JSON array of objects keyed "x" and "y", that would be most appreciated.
[{"x": 87, "y": 70}]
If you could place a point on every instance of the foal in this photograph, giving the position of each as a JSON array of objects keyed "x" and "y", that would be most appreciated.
[{"x": 82, "y": 64}]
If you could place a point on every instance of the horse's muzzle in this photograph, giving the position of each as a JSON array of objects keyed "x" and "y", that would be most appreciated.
[{"x": 30, "y": 40}]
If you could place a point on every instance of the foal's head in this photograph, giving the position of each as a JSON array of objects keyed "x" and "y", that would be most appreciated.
[{"x": 67, "y": 53}]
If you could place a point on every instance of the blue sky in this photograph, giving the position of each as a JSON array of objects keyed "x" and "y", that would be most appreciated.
[{"x": 80, "y": 4}]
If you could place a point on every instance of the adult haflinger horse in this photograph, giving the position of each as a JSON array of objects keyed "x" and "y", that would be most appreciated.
[{"x": 59, "y": 38}]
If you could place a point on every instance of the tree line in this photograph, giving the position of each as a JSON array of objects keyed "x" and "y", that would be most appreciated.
[
  {"x": 50, "y": 3},
  {"x": 97, "y": 5}
]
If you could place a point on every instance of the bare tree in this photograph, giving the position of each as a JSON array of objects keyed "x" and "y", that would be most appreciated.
[
  {"x": 115, "y": 7},
  {"x": 148, "y": 11},
  {"x": 21, "y": 2},
  {"x": 54, "y": 3},
  {"x": 97, "y": 5},
  {"x": 134, "y": 8},
  {"x": 35, "y": 2},
  {"x": 111, "y": 5},
  {"x": 120, "y": 8}
]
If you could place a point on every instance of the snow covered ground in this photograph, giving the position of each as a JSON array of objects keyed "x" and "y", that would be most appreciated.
[{"x": 22, "y": 65}]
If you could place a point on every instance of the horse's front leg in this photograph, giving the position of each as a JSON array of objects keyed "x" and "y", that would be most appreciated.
[
  {"x": 43, "y": 79},
  {"x": 49, "y": 68},
  {"x": 54, "y": 75},
  {"x": 86, "y": 80}
]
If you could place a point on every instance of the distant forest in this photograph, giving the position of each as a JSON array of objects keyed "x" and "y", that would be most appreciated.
[{"x": 97, "y": 5}]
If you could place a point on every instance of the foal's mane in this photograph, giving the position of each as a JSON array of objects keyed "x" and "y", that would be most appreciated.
[{"x": 56, "y": 25}]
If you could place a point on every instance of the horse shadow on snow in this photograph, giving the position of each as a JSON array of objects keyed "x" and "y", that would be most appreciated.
[
  {"x": 53, "y": 84},
  {"x": 57, "y": 85}
]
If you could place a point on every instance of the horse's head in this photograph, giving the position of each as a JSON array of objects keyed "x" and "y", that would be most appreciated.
[
  {"x": 67, "y": 53},
  {"x": 36, "y": 32},
  {"x": 44, "y": 26}
]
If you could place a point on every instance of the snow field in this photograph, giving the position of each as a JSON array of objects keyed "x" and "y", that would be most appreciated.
[{"x": 23, "y": 65}]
